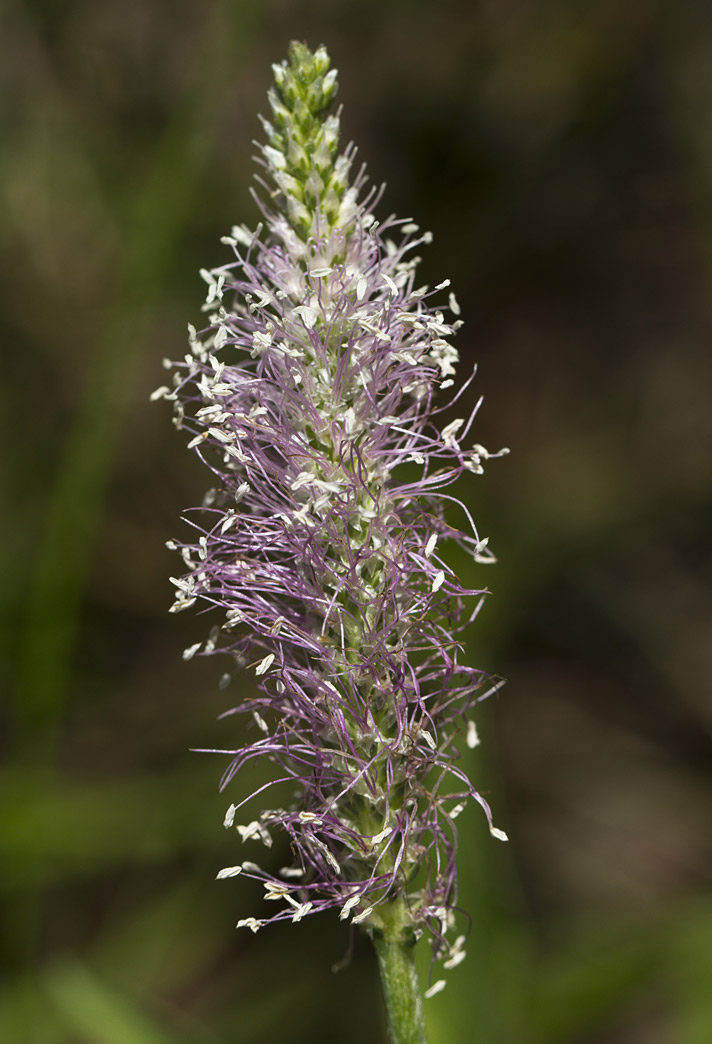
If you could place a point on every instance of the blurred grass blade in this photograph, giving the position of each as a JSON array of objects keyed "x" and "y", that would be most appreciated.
[
  {"x": 99, "y": 1014},
  {"x": 27, "y": 1015},
  {"x": 160, "y": 941}
]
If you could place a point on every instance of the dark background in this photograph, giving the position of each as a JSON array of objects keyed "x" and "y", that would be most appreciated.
[{"x": 561, "y": 152}]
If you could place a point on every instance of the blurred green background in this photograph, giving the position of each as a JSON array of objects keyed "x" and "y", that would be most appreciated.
[{"x": 561, "y": 152}]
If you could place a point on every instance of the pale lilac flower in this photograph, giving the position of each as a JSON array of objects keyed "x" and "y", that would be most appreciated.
[{"x": 312, "y": 397}]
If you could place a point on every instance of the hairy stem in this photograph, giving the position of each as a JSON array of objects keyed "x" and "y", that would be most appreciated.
[{"x": 395, "y": 943}]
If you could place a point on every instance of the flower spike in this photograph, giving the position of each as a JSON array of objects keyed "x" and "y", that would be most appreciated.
[{"x": 319, "y": 552}]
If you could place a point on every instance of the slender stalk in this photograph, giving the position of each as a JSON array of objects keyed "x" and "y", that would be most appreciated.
[{"x": 395, "y": 946}]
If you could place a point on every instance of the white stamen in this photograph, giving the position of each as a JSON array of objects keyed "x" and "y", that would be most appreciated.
[
  {"x": 348, "y": 906},
  {"x": 499, "y": 834},
  {"x": 450, "y": 430},
  {"x": 292, "y": 871},
  {"x": 228, "y": 871},
  {"x": 457, "y": 953},
  {"x": 473, "y": 739},
  {"x": 221, "y": 337},
  {"x": 264, "y": 665},
  {"x": 428, "y": 737},
  {"x": 250, "y": 922},
  {"x": 377, "y": 838},
  {"x": 331, "y": 859},
  {"x": 181, "y": 583},
  {"x": 229, "y": 521},
  {"x": 437, "y": 987},
  {"x": 254, "y": 830},
  {"x": 260, "y": 722},
  {"x": 302, "y": 478},
  {"x": 260, "y": 341},
  {"x": 363, "y": 915},
  {"x": 369, "y": 327},
  {"x": 301, "y": 911},
  {"x": 308, "y": 315},
  {"x": 221, "y": 435},
  {"x": 438, "y": 581},
  {"x": 242, "y": 234}
]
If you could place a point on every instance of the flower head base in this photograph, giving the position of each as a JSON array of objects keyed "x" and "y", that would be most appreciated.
[{"x": 311, "y": 398}]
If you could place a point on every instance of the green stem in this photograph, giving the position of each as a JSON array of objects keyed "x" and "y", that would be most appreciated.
[{"x": 395, "y": 945}]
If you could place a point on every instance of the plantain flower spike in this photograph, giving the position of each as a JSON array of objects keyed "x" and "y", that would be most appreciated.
[{"x": 312, "y": 398}]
